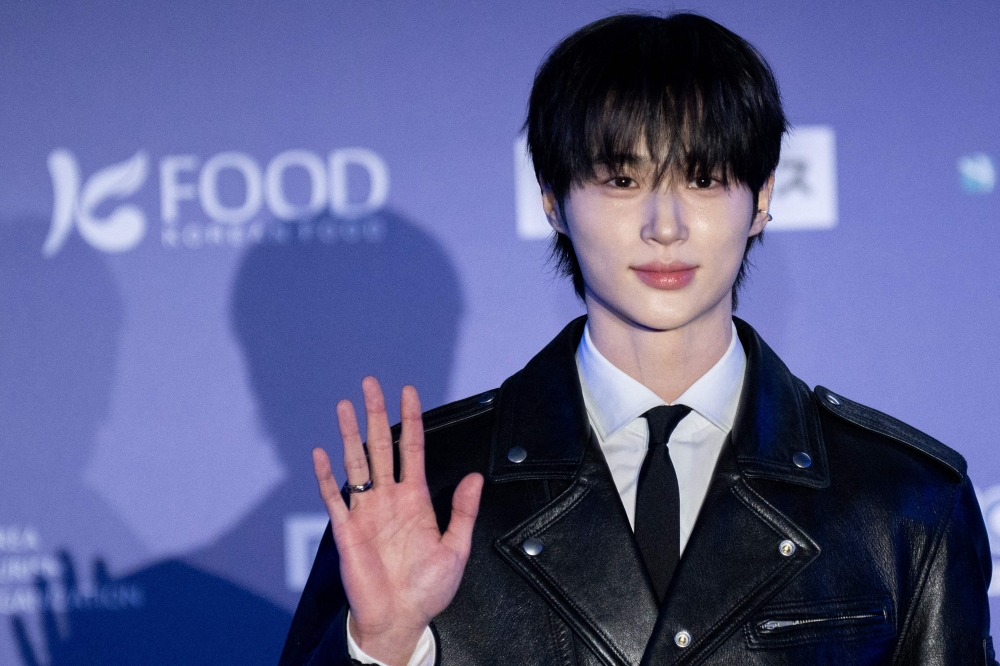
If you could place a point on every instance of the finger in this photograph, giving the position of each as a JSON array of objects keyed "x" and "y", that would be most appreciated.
[
  {"x": 355, "y": 460},
  {"x": 328, "y": 489},
  {"x": 464, "y": 509},
  {"x": 411, "y": 440},
  {"x": 379, "y": 435}
]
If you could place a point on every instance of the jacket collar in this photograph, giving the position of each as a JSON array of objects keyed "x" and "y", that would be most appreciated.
[{"x": 541, "y": 410}]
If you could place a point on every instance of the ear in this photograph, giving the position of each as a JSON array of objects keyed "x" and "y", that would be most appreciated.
[
  {"x": 551, "y": 206},
  {"x": 762, "y": 215}
]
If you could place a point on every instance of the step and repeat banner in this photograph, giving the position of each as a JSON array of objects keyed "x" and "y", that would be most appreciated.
[{"x": 217, "y": 217}]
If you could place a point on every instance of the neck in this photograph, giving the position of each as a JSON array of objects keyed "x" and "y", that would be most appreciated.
[{"x": 666, "y": 361}]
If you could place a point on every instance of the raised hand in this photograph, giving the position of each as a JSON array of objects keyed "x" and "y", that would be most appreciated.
[{"x": 398, "y": 570}]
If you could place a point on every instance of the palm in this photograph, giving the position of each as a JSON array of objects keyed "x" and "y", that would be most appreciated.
[
  {"x": 392, "y": 554},
  {"x": 398, "y": 569}
]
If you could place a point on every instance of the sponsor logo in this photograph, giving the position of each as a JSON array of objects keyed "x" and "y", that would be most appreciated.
[
  {"x": 976, "y": 173},
  {"x": 27, "y": 574},
  {"x": 805, "y": 182},
  {"x": 989, "y": 502},
  {"x": 189, "y": 185},
  {"x": 805, "y": 185},
  {"x": 531, "y": 221}
]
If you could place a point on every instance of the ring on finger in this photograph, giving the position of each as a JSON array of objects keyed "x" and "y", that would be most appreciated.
[{"x": 351, "y": 488}]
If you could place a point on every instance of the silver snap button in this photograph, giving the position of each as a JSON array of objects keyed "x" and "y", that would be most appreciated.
[
  {"x": 802, "y": 459},
  {"x": 517, "y": 454},
  {"x": 832, "y": 398},
  {"x": 487, "y": 397},
  {"x": 682, "y": 639},
  {"x": 787, "y": 548},
  {"x": 532, "y": 546}
]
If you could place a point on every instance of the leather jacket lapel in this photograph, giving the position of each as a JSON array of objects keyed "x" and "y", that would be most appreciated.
[
  {"x": 737, "y": 558},
  {"x": 743, "y": 549},
  {"x": 589, "y": 568},
  {"x": 776, "y": 420},
  {"x": 540, "y": 409}
]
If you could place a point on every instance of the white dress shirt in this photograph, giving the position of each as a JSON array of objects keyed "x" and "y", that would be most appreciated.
[{"x": 615, "y": 404}]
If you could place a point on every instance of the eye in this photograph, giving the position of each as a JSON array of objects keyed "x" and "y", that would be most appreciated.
[
  {"x": 702, "y": 182},
  {"x": 623, "y": 182}
]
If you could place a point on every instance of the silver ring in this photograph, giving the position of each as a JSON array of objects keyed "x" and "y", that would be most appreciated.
[{"x": 350, "y": 488}]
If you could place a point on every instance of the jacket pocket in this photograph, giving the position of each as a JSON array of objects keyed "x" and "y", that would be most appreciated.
[{"x": 802, "y": 623}]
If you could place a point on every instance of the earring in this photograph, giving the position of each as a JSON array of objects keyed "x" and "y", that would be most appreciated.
[{"x": 769, "y": 218}]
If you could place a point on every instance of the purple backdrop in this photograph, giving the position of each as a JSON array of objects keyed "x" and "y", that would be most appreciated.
[{"x": 216, "y": 217}]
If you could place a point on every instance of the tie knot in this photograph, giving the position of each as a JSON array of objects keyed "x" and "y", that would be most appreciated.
[{"x": 662, "y": 420}]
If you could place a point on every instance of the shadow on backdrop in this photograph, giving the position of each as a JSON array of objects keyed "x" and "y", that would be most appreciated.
[
  {"x": 60, "y": 320},
  {"x": 168, "y": 613},
  {"x": 314, "y": 309},
  {"x": 335, "y": 301}
]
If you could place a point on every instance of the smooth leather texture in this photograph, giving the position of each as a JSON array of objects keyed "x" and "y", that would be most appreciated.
[{"x": 875, "y": 553}]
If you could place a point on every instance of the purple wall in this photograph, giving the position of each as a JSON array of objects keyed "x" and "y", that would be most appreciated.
[{"x": 171, "y": 347}]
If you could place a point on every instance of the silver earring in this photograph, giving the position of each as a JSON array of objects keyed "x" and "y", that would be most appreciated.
[{"x": 769, "y": 218}]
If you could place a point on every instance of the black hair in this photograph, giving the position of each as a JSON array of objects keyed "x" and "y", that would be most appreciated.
[{"x": 701, "y": 98}]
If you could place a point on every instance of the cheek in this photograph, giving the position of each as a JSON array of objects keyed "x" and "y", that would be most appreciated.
[
  {"x": 739, "y": 217},
  {"x": 723, "y": 237},
  {"x": 598, "y": 228}
]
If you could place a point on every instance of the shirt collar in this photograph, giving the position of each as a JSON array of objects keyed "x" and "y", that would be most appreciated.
[{"x": 614, "y": 399}]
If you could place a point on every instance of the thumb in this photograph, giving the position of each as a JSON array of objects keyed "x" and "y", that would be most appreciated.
[{"x": 464, "y": 509}]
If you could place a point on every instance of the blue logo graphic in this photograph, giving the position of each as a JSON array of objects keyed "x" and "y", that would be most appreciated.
[{"x": 977, "y": 173}]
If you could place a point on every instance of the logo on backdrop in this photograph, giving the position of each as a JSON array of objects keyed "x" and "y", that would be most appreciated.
[
  {"x": 805, "y": 185},
  {"x": 186, "y": 182},
  {"x": 989, "y": 502},
  {"x": 303, "y": 532},
  {"x": 24, "y": 561},
  {"x": 977, "y": 173}
]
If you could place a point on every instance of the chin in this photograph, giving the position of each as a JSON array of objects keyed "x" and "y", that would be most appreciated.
[
  {"x": 660, "y": 310},
  {"x": 658, "y": 319},
  {"x": 676, "y": 313}
]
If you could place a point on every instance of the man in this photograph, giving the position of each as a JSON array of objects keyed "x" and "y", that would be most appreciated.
[{"x": 654, "y": 486}]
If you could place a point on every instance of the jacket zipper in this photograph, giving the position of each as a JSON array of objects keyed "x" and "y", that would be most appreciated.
[{"x": 768, "y": 626}]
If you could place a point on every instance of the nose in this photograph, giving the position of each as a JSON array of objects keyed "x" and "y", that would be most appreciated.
[{"x": 664, "y": 219}]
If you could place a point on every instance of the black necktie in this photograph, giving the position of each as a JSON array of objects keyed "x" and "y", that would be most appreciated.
[{"x": 657, "y": 505}]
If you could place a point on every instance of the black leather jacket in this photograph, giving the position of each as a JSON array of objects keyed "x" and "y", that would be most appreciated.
[{"x": 874, "y": 552}]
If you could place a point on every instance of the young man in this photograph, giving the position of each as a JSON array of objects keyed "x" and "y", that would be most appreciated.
[{"x": 654, "y": 486}]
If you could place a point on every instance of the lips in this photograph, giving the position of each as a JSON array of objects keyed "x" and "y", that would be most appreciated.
[{"x": 665, "y": 276}]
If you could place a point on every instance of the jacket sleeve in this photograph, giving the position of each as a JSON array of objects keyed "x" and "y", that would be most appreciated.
[
  {"x": 318, "y": 635},
  {"x": 949, "y": 624}
]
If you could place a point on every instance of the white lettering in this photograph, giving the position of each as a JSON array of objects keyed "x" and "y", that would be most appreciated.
[
  {"x": 77, "y": 200},
  {"x": 274, "y": 190},
  {"x": 14, "y": 538},
  {"x": 378, "y": 175},
  {"x": 208, "y": 183},
  {"x": 172, "y": 192}
]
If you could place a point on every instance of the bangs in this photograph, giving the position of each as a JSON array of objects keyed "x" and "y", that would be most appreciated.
[
  {"x": 636, "y": 87},
  {"x": 670, "y": 132}
]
